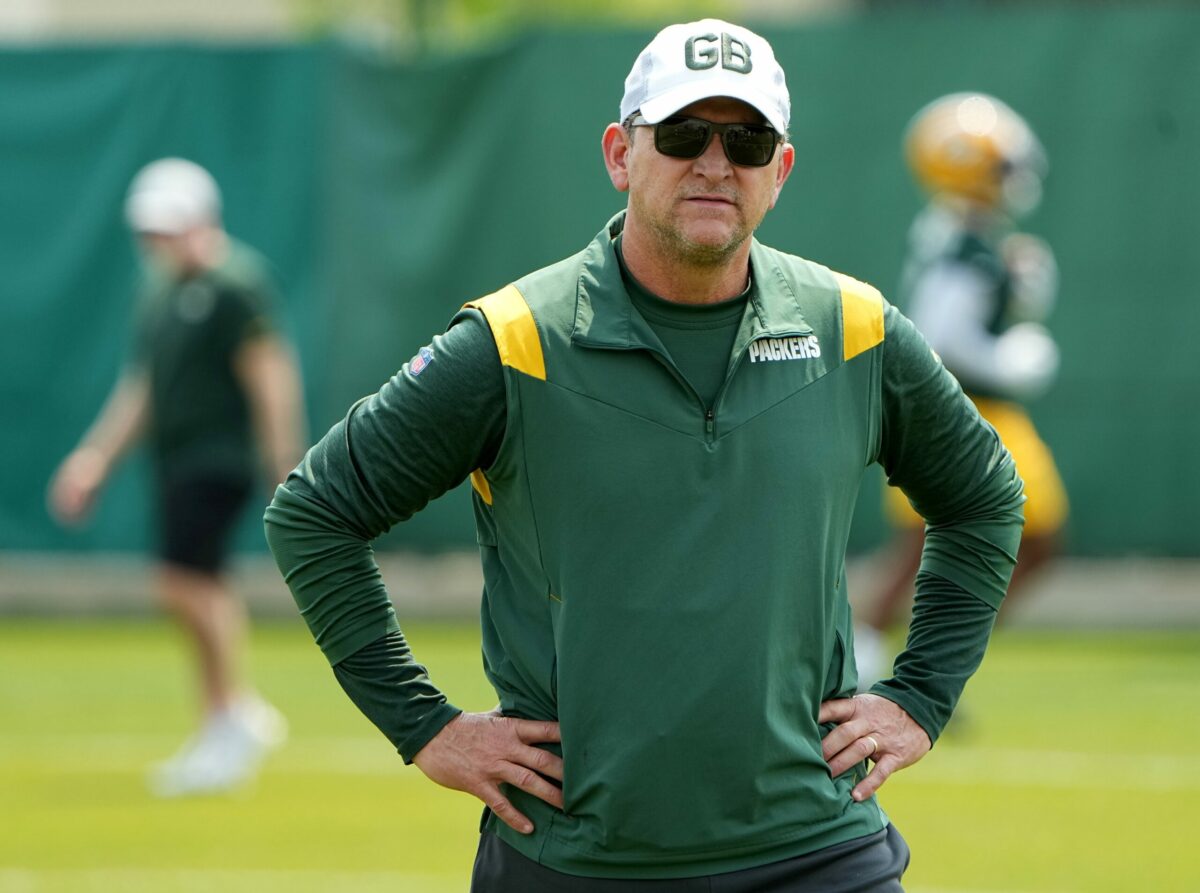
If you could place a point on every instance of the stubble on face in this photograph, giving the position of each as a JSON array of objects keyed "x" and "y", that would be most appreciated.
[
  {"x": 692, "y": 235},
  {"x": 673, "y": 241}
]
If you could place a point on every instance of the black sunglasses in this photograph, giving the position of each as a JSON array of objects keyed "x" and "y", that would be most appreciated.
[{"x": 749, "y": 145}]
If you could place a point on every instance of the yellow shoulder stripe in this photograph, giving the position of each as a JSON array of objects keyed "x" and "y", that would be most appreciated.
[
  {"x": 481, "y": 485},
  {"x": 515, "y": 331},
  {"x": 518, "y": 344},
  {"x": 862, "y": 316}
]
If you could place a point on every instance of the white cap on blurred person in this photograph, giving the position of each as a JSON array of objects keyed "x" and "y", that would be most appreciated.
[
  {"x": 700, "y": 60},
  {"x": 172, "y": 196}
]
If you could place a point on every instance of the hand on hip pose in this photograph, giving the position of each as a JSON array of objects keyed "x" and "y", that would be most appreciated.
[
  {"x": 871, "y": 727},
  {"x": 477, "y": 752}
]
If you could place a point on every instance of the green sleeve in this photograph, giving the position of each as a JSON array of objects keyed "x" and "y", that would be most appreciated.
[
  {"x": 393, "y": 691},
  {"x": 249, "y": 301},
  {"x": 418, "y": 437},
  {"x": 244, "y": 311},
  {"x": 952, "y": 466}
]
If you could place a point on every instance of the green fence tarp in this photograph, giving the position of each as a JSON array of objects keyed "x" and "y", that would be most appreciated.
[{"x": 388, "y": 192}]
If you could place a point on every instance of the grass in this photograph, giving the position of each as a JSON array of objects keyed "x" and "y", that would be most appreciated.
[{"x": 1074, "y": 769}]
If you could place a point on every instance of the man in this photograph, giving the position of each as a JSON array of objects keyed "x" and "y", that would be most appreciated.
[
  {"x": 665, "y": 434},
  {"x": 213, "y": 388},
  {"x": 979, "y": 291}
]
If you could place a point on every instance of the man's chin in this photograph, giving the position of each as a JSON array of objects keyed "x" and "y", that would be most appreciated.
[
  {"x": 701, "y": 242},
  {"x": 709, "y": 255},
  {"x": 716, "y": 242}
]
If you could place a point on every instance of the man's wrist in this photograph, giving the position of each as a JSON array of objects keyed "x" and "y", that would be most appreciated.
[
  {"x": 920, "y": 710},
  {"x": 426, "y": 731}
]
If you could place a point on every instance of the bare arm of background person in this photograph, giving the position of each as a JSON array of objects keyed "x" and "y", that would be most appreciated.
[
  {"x": 267, "y": 369},
  {"x": 78, "y": 480}
]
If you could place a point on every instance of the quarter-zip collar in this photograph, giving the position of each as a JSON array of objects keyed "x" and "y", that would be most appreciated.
[{"x": 604, "y": 315}]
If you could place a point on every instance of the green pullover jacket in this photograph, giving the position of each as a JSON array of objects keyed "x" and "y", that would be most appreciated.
[{"x": 663, "y": 577}]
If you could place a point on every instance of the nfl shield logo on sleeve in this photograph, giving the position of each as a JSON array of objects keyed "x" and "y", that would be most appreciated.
[{"x": 418, "y": 363}]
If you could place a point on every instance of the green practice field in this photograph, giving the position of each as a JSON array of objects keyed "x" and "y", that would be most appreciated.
[{"x": 1075, "y": 768}]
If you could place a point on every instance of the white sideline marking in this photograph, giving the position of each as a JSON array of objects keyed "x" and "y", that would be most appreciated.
[
  {"x": 1014, "y": 767},
  {"x": 910, "y": 889},
  {"x": 369, "y": 756}
]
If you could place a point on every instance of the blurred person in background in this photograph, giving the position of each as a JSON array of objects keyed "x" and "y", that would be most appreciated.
[
  {"x": 213, "y": 389},
  {"x": 980, "y": 292},
  {"x": 666, "y": 433}
]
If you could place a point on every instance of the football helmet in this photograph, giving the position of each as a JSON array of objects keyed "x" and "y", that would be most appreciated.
[{"x": 973, "y": 146}]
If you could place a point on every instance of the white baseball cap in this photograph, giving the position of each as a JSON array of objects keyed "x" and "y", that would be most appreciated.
[
  {"x": 699, "y": 60},
  {"x": 172, "y": 196}
]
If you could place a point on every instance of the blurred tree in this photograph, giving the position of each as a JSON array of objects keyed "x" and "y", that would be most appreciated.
[{"x": 427, "y": 23}]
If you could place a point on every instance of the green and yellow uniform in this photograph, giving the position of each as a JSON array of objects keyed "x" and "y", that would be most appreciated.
[
  {"x": 979, "y": 292},
  {"x": 663, "y": 563}
]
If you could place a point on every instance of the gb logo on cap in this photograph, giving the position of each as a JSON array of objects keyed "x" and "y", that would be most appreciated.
[{"x": 700, "y": 52}]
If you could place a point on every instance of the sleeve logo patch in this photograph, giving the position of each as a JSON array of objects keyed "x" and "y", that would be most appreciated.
[{"x": 418, "y": 363}]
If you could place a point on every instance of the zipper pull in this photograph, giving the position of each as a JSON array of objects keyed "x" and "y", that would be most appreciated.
[{"x": 709, "y": 417}]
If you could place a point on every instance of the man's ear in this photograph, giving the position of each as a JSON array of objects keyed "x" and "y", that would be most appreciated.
[
  {"x": 787, "y": 159},
  {"x": 616, "y": 146}
]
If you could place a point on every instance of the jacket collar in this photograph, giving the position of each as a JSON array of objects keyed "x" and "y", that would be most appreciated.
[{"x": 605, "y": 317}]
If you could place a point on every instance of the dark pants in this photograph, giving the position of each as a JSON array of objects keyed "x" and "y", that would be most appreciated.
[
  {"x": 197, "y": 514},
  {"x": 872, "y": 864}
]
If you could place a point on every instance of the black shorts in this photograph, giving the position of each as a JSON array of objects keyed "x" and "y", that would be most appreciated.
[
  {"x": 197, "y": 514},
  {"x": 871, "y": 864}
]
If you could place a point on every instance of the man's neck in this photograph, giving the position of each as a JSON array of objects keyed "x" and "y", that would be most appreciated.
[
  {"x": 206, "y": 251},
  {"x": 674, "y": 279}
]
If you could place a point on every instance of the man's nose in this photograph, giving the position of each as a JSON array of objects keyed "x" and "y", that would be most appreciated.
[{"x": 712, "y": 162}]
